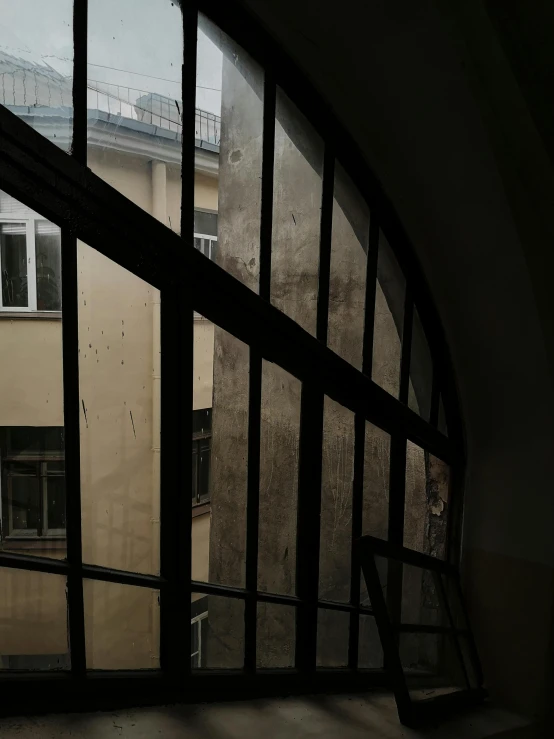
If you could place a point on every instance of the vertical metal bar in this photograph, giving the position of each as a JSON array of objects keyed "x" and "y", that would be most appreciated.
[
  {"x": 359, "y": 442},
  {"x": 308, "y": 525},
  {"x": 252, "y": 508},
  {"x": 80, "y": 46},
  {"x": 370, "y": 290},
  {"x": 325, "y": 240},
  {"x": 70, "y": 359},
  {"x": 177, "y": 338},
  {"x": 357, "y": 516},
  {"x": 397, "y": 495},
  {"x": 268, "y": 163},
  {"x": 255, "y": 375},
  {"x": 406, "y": 347}
]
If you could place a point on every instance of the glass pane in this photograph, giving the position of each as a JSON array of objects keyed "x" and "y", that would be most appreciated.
[
  {"x": 31, "y": 394},
  {"x": 349, "y": 246},
  {"x": 122, "y": 626},
  {"x": 33, "y": 621},
  {"x": 370, "y": 651},
  {"x": 336, "y": 502},
  {"x": 135, "y": 56},
  {"x": 453, "y": 596},
  {"x": 54, "y": 493},
  {"x": 389, "y": 320},
  {"x": 279, "y": 443},
  {"x": 119, "y": 378},
  {"x": 221, "y": 366},
  {"x": 421, "y": 598},
  {"x": 13, "y": 261},
  {"x": 217, "y": 632},
  {"x": 426, "y": 506},
  {"x": 421, "y": 371},
  {"x": 48, "y": 266},
  {"x": 333, "y": 628},
  {"x": 229, "y": 123},
  {"x": 275, "y": 635},
  {"x": 296, "y": 214},
  {"x": 431, "y": 664},
  {"x": 205, "y": 223},
  {"x": 468, "y": 659},
  {"x": 36, "y": 64}
]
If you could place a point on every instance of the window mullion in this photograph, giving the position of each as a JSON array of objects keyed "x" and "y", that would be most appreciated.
[{"x": 31, "y": 266}]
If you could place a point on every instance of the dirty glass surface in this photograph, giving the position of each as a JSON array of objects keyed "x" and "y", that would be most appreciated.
[{"x": 36, "y": 66}]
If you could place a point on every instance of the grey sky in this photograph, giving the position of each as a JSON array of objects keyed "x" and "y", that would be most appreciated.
[{"x": 143, "y": 37}]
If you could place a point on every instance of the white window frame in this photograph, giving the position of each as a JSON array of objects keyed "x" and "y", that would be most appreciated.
[
  {"x": 31, "y": 307},
  {"x": 197, "y": 623},
  {"x": 211, "y": 241}
]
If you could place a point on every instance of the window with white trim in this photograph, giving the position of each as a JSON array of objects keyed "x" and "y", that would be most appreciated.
[
  {"x": 205, "y": 232},
  {"x": 30, "y": 259}
]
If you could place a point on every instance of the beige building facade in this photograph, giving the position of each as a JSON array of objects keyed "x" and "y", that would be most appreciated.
[{"x": 119, "y": 362}]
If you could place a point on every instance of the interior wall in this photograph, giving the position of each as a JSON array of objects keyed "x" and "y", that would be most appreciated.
[{"x": 397, "y": 74}]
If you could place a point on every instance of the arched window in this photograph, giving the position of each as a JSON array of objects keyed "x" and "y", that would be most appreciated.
[{"x": 226, "y": 256}]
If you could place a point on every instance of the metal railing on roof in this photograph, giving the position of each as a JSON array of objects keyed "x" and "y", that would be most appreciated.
[{"x": 34, "y": 88}]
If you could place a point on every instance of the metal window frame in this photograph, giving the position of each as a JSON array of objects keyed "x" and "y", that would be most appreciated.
[
  {"x": 64, "y": 191},
  {"x": 412, "y": 712}
]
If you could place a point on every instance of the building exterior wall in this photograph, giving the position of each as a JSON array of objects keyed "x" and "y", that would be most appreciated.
[{"x": 120, "y": 410}]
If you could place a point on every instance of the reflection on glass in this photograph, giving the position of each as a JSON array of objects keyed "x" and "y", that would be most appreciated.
[
  {"x": 336, "y": 502},
  {"x": 13, "y": 261},
  {"x": 431, "y": 664},
  {"x": 389, "y": 320},
  {"x": 275, "y": 635},
  {"x": 122, "y": 626},
  {"x": 421, "y": 371},
  {"x": 119, "y": 381},
  {"x": 426, "y": 504},
  {"x": 228, "y": 124},
  {"x": 296, "y": 214},
  {"x": 134, "y": 101},
  {"x": 347, "y": 280},
  {"x": 421, "y": 598},
  {"x": 333, "y": 628},
  {"x": 33, "y": 614},
  {"x": 370, "y": 651},
  {"x": 220, "y": 431},
  {"x": 48, "y": 266},
  {"x": 36, "y": 65},
  {"x": 279, "y": 444},
  {"x": 216, "y": 632}
]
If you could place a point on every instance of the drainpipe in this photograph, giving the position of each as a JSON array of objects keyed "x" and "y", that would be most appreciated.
[{"x": 159, "y": 211}]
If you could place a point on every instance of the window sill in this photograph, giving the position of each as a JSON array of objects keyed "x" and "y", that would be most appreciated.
[
  {"x": 31, "y": 315},
  {"x": 200, "y": 509},
  {"x": 34, "y": 542}
]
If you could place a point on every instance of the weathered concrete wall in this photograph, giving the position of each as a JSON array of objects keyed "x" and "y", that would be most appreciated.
[{"x": 296, "y": 217}]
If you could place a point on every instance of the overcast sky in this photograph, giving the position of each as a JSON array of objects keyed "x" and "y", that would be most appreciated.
[{"x": 141, "y": 37}]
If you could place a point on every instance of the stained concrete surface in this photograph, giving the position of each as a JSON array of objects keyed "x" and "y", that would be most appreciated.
[{"x": 369, "y": 716}]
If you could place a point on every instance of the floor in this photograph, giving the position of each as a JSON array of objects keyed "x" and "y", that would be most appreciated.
[{"x": 368, "y": 716}]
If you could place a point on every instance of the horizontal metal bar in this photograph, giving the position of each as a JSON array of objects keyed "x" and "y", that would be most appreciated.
[
  {"x": 43, "y": 177},
  {"x": 373, "y": 546},
  {"x": 428, "y": 629},
  {"x": 92, "y": 572},
  {"x": 107, "y": 574},
  {"x": 36, "y": 564}
]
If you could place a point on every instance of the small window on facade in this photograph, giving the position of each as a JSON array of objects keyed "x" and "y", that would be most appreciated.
[
  {"x": 205, "y": 232},
  {"x": 30, "y": 259},
  {"x": 201, "y": 455},
  {"x": 33, "y": 482}
]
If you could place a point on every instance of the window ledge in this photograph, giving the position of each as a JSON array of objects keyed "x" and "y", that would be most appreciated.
[
  {"x": 31, "y": 315},
  {"x": 199, "y": 510}
]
